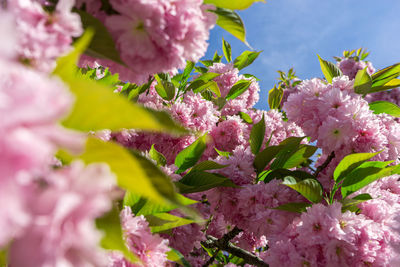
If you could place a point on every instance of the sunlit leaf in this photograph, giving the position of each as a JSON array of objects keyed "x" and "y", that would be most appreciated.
[
  {"x": 362, "y": 82},
  {"x": 231, "y": 22},
  {"x": 226, "y": 48},
  {"x": 233, "y": 4},
  {"x": 175, "y": 256},
  {"x": 275, "y": 96},
  {"x": 349, "y": 163},
  {"x": 329, "y": 69},
  {"x": 133, "y": 173},
  {"x": 113, "y": 239},
  {"x": 189, "y": 156},
  {"x": 385, "y": 107},
  {"x": 157, "y": 156},
  {"x": 363, "y": 175},
  {"x": 238, "y": 88},
  {"x": 198, "y": 181},
  {"x": 309, "y": 188},
  {"x": 245, "y": 59}
]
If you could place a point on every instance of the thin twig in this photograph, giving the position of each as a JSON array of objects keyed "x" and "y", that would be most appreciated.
[
  {"x": 325, "y": 164},
  {"x": 224, "y": 244}
]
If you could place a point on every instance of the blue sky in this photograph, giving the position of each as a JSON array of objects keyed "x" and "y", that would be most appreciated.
[{"x": 292, "y": 32}]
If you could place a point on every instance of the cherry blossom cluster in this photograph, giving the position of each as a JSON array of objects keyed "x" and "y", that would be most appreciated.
[{"x": 152, "y": 36}]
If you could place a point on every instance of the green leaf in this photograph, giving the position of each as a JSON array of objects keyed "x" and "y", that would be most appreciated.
[
  {"x": 208, "y": 165},
  {"x": 263, "y": 158},
  {"x": 157, "y": 156},
  {"x": 309, "y": 188},
  {"x": 113, "y": 239},
  {"x": 225, "y": 154},
  {"x": 329, "y": 69},
  {"x": 299, "y": 156},
  {"x": 257, "y": 135},
  {"x": 351, "y": 204},
  {"x": 165, "y": 89},
  {"x": 198, "y": 181},
  {"x": 102, "y": 45},
  {"x": 175, "y": 256},
  {"x": 290, "y": 148},
  {"x": 226, "y": 47},
  {"x": 164, "y": 221},
  {"x": 190, "y": 155},
  {"x": 275, "y": 96},
  {"x": 298, "y": 207},
  {"x": 231, "y": 22},
  {"x": 393, "y": 83},
  {"x": 232, "y": 4},
  {"x": 245, "y": 117},
  {"x": 144, "y": 206},
  {"x": 363, "y": 175},
  {"x": 362, "y": 82},
  {"x": 383, "y": 76},
  {"x": 134, "y": 173},
  {"x": 385, "y": 107},
  {"x": 245, "y": 59},
  {"x": 349, "y": 163},
  {"x": 237, "y": 89}
]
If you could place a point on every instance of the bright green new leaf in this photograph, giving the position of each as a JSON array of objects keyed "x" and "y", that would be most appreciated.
[
  {"x": 245, "y": 59},
  {"x": 102, "y": 45},
  {"x": 275, "y": 96},
  {"x": 329, "y": 69},
  {"x": 363, "y": 175},
  {"x": 232, "y": 4},
  {"x": 113, "y": 239},
  {"x": 133, "y": 173},
  {"x": 144, "y": 206},
  {"x": 383, "y": 76},
  {"x": 349, "y": 163},
  {"x": 226, "y": 47},
  {"x": 257, "y": 135},
  {"x": 362, "y": 82},
  {"x": 298, "y": 207},
  {"x": 231, "y": 22},
  {"x": 198, "y": 181},
  {"x": 309, "y": 188},
  {"x": 175, "y": 256},
  {"x": 238, "y": 88},
  {"x": 190, "y": 155},
  {"x": 245, "y": 117},
  {"x": 263, "y": 158},
  {"x": 393, "y": 83},
  {"x": 164, "y": 221},
  {"x": 216, "y": 58},
  {"x": 157, "y": 156},
  {"x": 385, "y": 107}
]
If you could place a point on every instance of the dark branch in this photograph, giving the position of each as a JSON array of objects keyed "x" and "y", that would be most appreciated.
[
  {"x": 325, "y": 164},
  {"x": 224, "y": 244}
]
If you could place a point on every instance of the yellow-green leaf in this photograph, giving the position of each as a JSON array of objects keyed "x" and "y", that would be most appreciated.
[
  {"x": 113, "y": 239},
  {"x": 231, "y": 22},
  {"x": 233, "y": 4},
  {"x": 133, "y": 174}
]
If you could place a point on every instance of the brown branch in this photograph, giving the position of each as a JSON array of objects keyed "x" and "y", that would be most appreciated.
[
  {"x": 325, "y": 164},
  {"x": 224, "y": 244}
]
